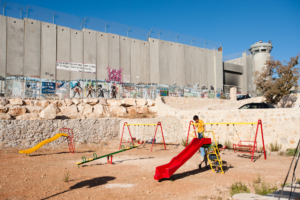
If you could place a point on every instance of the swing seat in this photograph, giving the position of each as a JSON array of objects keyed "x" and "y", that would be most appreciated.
[{"x": 244, "y": 147}]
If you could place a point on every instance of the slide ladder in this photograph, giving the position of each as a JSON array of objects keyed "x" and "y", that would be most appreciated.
[{"x": 214, "y": 161}]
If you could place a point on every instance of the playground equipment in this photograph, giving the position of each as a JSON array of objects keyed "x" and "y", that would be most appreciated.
[
  {"x": 126, "y": 124},
  {"x": 109, "y": 156},
  {"x": 64, "y": 132},
  {"x": 167, "y": 170},
  {"x": 242, "y": 146}
]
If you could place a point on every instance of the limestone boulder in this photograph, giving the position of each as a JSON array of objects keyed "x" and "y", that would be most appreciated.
[
  {"x": 142, "y": 109},
  {"x": 34, "y": 109},
  {"x": 48, "y": 113},
  {"x": 103, "y": 102},
  {"x": 69, "y": 109},
  {"x": 128, "y": 102},
  {"x": 150, "y": 102},
  {"x": 112, "y": 102},
  {"x": 4, "y": 116},
  {"x": 43, "y": 103},
  {"x": 76, "y": 101},
  {"x": 28, "y": 116},
  {"x": 85, "y": 108},
  {"x": 93, "y": 116},
  {"x": 117, "y": 111},
  {"x": 4, "y": 102},
  {"x": 28, "y": 102},
  {"x": 68, "y": 102},
  {"x": 152, "y": 109},
  {"x": 92, "y": 101},
  {"x": 141, "y": 102},
  {"x": 58, "y": 103},
  {"x": 99, "y": 109},
  {"x": 17, "y": 101},
  {"x": 132, "y": 111},
  {"x": 3, "y": 109},
  {"x": 16, "y": 111}
]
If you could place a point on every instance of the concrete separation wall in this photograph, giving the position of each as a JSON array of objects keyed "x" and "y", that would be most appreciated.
[
  {"x": 15, "y": 47},
  {"x": 25, "y": 133},
  {"x": 2, "y": 46}
]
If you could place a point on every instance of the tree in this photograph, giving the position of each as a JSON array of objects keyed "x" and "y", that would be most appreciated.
[{"x": 275, "y": 87}]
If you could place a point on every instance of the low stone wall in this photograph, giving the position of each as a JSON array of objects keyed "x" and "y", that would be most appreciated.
[
  {"x": 191, "y": 103},
  {"x": 281, "y": 125},
  {"x": 233, "y": 105},
  {"x": 28, "y": 133}
]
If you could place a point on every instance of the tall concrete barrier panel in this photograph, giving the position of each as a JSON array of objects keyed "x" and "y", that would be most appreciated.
[
  {"x": 203, "y": 68},
  {"x": 125, "y": 58},
  {"x": 196, "y": 65},
  {"x": 210, "y": 68},
  {"x": 76, "y": 66},
  {"x": 188, "y": 66},
  {"x": 15, "y": 47},
  {"x": 2, "y": 46},
  {"x": 90, "y": 53},
  {"x": 63, "y": 51},
  {"x": 250, "y": 79},
  {"x": 145, "y": 62},
  {"x": 114, "y": 51},
  {"x": 163, "y": 62},
  {"x": 135, "y": 61},
  {"x": 102, "y": 55},
  {"x": 48, "y": 51},
  {"x": 219, "y": 70},
  {"x": 154, "y": 60},
  {"x": 172, "y": 63},
  {"x": 32, "y": 46},
  {"x": 180, "y": 67}
]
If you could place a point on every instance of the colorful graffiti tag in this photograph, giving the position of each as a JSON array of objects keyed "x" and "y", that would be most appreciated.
[{"x": 114, "y": 75}]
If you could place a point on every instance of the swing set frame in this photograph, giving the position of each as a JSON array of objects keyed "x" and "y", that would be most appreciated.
[
  {"x": 240, "y": 147},
  {"x": 126, "y": 124}
]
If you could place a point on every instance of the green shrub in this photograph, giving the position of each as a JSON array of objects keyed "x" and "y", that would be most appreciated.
[
  {"x": 275, "y": 147},
  {"x": 238, "y": 187},
  {"x": 228, "y": 143},
  {"x": 291, "y": 152},
  {"x": 281, "y": 153},
  {"x": 263, "y": 188},
  {"x": 183, "y": 142},
  {"x": 298, "y": 180},
  {"x": 66, "y": 177}
]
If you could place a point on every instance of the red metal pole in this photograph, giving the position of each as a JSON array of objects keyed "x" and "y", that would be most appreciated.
[
  {"x": 122, "y": 135},
  {"x": 254, "y": 146},
  {"x": 187, "y": 137},
  {"x": 130, "y": 135},
  {"x": 154, "y": 137},
  {"x": 262, "y": 135},
  {"x": 162, "y": 133}
]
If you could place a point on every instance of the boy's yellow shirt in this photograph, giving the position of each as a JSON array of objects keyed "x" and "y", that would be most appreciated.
[{"x": 200, "y": 126}]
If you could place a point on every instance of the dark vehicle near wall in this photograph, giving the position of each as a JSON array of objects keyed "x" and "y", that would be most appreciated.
[
  {"x": 256, "y": 106},
  {"x": 241, "y": 97}
]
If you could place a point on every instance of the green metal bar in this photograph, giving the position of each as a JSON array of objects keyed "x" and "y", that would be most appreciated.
[{"x": 96, "y": 158}]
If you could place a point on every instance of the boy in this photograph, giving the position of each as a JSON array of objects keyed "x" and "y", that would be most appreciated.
[{"x": 200, "y": 129}]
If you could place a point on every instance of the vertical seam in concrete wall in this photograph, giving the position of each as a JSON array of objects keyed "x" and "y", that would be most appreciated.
[{"x": 5, "y": 53}]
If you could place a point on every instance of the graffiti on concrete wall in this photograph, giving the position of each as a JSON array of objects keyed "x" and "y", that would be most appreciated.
[
  {"x": 32, "y": 89},
  {"x": 146, "y": 93},
  {"x": 76, "y": 89},
  {"x": 14, "y": 88},
  {"x": 102, "y": 90},
  {"x": 63, "y": 90},
  {"x": 114, "y": 75},
  {"x": 114, "y": 90},
  {"x": 48, "y": 90},
  {"x": 130, "y": 92},
  {"x": 175, "y": 91},
  {"x": 90, "y": 90},
  {"x": 154, "y": 93}
]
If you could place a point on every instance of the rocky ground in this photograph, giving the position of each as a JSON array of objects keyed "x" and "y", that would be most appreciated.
[{"x": 41, "y": 175}]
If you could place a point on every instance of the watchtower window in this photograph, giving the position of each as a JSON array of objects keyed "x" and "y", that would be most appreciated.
[
  {"x": 256, "y": 50},
  {"x": 263, "y": 50}
]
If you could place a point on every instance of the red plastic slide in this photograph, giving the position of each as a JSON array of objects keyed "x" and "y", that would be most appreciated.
[{"x": 167, "y": 170}]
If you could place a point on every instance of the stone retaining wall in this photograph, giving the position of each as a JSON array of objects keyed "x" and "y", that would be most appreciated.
[{"x": 28, "y": 133}]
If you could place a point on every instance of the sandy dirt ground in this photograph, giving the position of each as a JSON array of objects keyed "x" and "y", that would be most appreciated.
[{"x": 41, "y": 175}]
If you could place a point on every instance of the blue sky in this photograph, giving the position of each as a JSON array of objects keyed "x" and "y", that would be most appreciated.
[{"x": 236, "y": 24}]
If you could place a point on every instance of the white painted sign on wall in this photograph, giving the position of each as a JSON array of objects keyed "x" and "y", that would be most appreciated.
[
  {"x": 76, "y": 67},
  {"x": 126, "y": 79},
  {"x": 90, "y": 68},
  {"x": 62, "y": 65}
]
